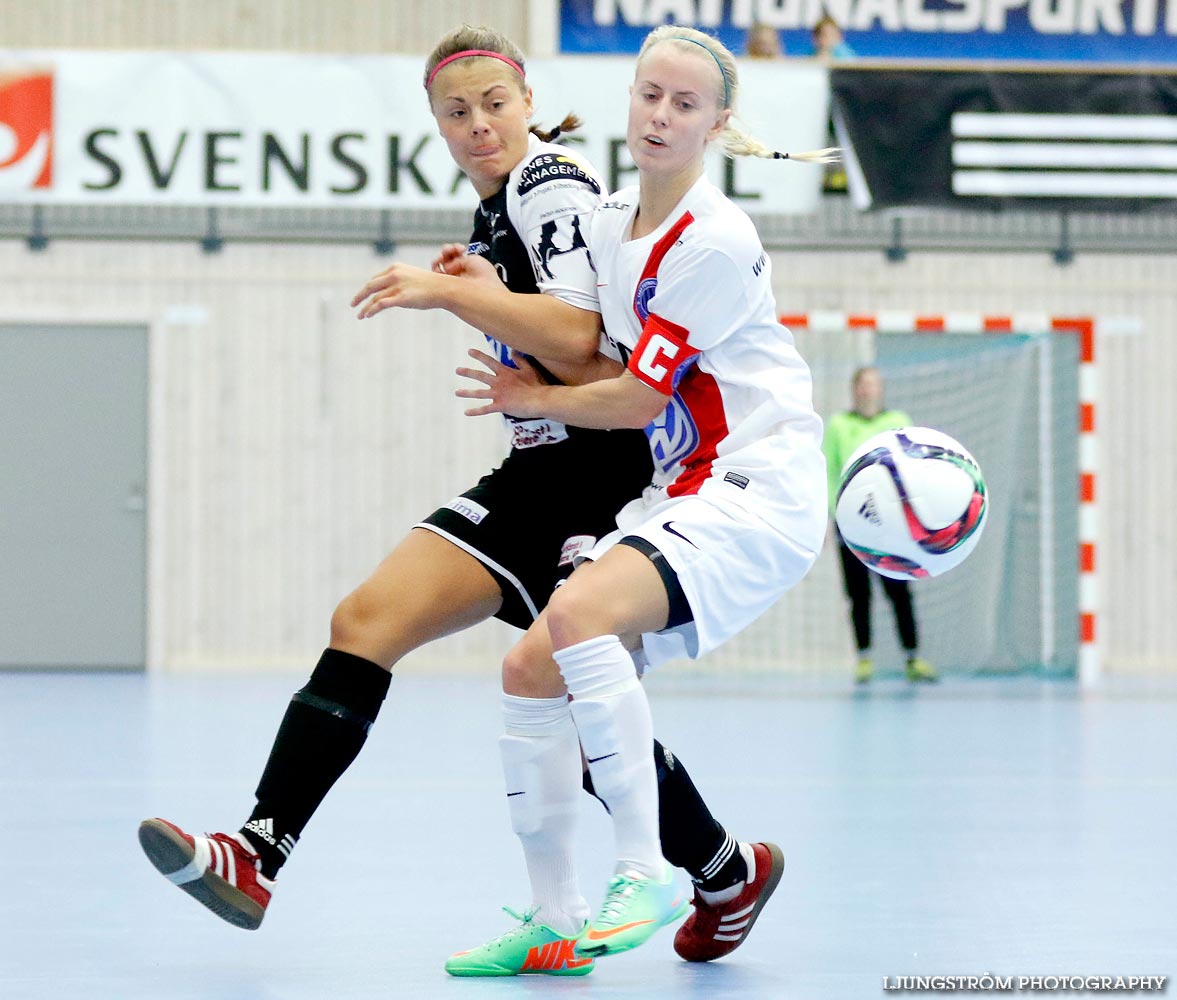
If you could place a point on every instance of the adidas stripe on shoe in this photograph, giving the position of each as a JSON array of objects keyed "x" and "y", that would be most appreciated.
[
  {"x": 531, "y": 948},
  {"x": 219, "y": 870},
  {"x": 713, "y": 931}
]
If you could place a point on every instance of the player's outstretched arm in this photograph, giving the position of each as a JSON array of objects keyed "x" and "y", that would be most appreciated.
[
  {"x": 581, "y": 373},
  {"x": 539, "y": 325},
  {"x": 606, "y": 404}
]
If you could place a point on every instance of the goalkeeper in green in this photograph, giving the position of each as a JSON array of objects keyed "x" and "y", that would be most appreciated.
[{"x": 844, "y": 432}]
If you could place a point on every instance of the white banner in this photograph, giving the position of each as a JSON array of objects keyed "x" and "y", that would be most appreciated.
[{"x": 285, "y": 130}]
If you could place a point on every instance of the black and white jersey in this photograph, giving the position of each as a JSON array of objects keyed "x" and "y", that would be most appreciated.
[
  {"x": 528, "y": 519},
  {"x": 533, "y": 230}
]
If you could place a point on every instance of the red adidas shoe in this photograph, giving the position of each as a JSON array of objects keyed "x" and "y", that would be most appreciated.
[
  {"x": 714, "y": 931},
  {"x": 219, "y": 870}
]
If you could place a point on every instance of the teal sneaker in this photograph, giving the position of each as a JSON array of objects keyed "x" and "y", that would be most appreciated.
[
  {"x": 635, "y": 907},
  {"x": 530, "y": 949}
]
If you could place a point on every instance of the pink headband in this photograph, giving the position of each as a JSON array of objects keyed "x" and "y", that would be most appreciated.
[{"x": 472, "y": 52}]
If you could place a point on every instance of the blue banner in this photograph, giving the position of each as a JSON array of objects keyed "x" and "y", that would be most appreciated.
[{"x": 1108, "y": 31}]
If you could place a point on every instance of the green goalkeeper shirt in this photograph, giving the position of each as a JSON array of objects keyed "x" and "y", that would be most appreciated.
[{"x": 845, "y": 432}]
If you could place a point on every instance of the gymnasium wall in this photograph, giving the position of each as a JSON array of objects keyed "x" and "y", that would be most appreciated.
[
  {"x": 292, "y": 445},
  {"x": 262, "y": 25}
]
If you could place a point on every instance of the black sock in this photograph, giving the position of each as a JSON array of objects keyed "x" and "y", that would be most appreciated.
[
  {"x": 692, "y": 838},
  {"x": 323, "y": 730}
]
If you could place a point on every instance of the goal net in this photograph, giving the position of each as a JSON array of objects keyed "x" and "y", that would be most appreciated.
[{"x": 1012, "y": 606}]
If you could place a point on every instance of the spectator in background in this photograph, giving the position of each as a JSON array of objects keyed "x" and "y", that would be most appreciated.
[
  {"x": 764, "y": 42},
  {"x": 844, "y": 432},
  {"x": 828, "y": 42},
  {"x": 828, "y": 46}
]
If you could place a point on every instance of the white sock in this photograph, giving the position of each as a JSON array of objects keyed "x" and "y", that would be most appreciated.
[
  {"x": 732, "y": 891},
  {"x": 541, "y": 766},
  {"x": 613, "y": 720}
]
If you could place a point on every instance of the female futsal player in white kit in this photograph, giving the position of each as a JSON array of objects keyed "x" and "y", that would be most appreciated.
[{"x": 734, "y": 517}]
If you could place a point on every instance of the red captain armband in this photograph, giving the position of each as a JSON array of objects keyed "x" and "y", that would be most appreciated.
[{"x": 662, "y": 354}]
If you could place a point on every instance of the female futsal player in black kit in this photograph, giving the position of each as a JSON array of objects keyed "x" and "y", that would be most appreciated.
[{"x": 496, "y": 550}]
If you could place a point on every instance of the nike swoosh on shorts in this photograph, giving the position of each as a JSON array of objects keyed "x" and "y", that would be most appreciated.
[{"x": 667, "y": 527}]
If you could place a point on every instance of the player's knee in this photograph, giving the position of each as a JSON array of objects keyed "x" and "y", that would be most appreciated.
[
  {"x": 529, "y": 672},
  {"x": 355, "y": 620},
  {"x": 574, "y": 615},
  {"x": 518, "y": 671}
]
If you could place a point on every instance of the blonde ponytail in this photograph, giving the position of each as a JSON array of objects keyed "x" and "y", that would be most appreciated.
[
  {"x": 736, "y": 142},
  {"x": 831, "y": 154}
]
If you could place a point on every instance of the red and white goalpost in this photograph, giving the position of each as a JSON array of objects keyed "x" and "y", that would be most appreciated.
[{"x": 1086, "y": 330}]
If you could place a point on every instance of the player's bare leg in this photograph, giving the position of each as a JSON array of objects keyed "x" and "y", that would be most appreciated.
[{"x": 424, "y": 589}]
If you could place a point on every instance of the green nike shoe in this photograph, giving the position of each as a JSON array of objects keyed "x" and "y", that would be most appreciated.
[
  {"x": 531, "y": 948},
  {"x": 920, "y": 671},
  {"x": 635, "y": 907}
]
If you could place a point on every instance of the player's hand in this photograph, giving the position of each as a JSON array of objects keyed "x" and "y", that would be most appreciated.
[
  {"x": 471, "y": 267},
  {"x": 400, "y": 285},
  {"x": 517, "y": 391},
  {"x": 447, "y": 255}
]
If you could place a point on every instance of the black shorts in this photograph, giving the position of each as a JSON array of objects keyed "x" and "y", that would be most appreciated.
[{"x": 526, "y": 520}]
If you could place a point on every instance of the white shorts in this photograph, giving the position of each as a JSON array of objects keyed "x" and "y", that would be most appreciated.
[{"x": 732, "y": 565}]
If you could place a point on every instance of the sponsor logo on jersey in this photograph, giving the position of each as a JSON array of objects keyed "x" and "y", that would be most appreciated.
[
  {"x": 759, "y": 265},
  {"x": 477, "y": 249},
  {"x": 501, "y": 352},
  {"x": 736, "y": 480},
  {"x": 558, "y": 237},
  {"x": 573, "y": 547},
  {"x": 553, "y": 166},
  {"x": 533, "y": 432},
  {"x": 469, "y": 509},
  {"x": 641, "y": 298},
  {"x": 673, "y": 435}
]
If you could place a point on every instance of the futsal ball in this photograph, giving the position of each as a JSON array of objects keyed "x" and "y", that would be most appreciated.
[{"x": 912, "y": 503}]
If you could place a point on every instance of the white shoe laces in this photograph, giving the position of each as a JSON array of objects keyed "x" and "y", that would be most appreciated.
[
  {"x": 621, "y": 888},
  {"x": 526, "y": 919}
]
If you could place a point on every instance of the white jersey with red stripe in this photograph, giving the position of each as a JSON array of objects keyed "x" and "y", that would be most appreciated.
[{"x": 692, "y": 306}]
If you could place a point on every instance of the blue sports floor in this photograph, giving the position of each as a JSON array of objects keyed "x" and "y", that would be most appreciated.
[{"x": 1004, "y": 827}]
